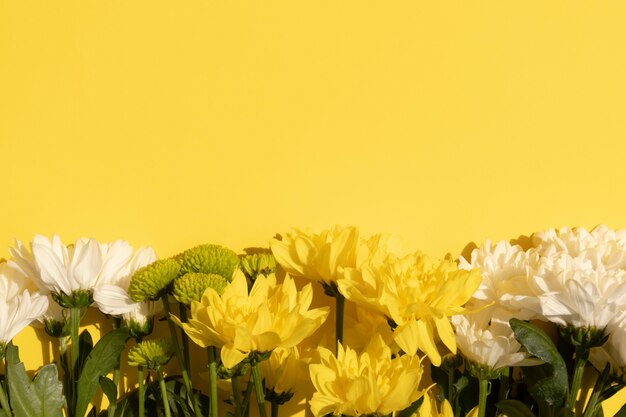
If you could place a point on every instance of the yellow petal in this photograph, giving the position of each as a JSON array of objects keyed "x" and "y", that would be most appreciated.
[{"x": 231, "y": 356}]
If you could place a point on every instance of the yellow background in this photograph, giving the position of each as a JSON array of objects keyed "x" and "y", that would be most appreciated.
[{"x": 175, "y": 123}]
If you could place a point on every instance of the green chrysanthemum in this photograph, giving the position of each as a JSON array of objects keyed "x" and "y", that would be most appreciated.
[
  {"x": 151, "y": 354},
  {"x": 209, "y": 259},
  {"x": 151, "y": 281},
  {"x": 258, "y": 263},
  {"x": 191, "y": 286}
]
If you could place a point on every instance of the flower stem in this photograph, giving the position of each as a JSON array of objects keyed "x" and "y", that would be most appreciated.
[
  {"x": 339, "y": 319},
  {"x": 116, "y": 380},
  {"x": 246, "y": 398},
  {"x": 275, "y": 406},
  {"x": 179, "y": 356},
  {"x": 141, "y": 391},
  {"x": 166, "y": 404},
  {"x": 4, "y": 402},
  {"x": 504, "y": 384},
  {"x": 258, "y": 385},
  {"x": 74, "y": 323},
  {"x": 182, "y": 309},
  {"x": 579, "y": 368},
  {"x": 451, "y": 386},
  {"x": 483, "y": 391},
  {"x": 592, "y": 405},
  {"x": 74, "y": 374},
  {"x": 213, "y": 380},
  {"x": 234, "y": 381}
]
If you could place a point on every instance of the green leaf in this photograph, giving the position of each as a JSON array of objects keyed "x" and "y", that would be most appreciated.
[
  {"x": 109, "y": 388},
  {"x": 547, "y": 382},
  {"x": 41, "y": 398},
  {"x": 101, "y": 360},
  {"x": 514, "y": 408},
  {"x": 85, "y": 346}
]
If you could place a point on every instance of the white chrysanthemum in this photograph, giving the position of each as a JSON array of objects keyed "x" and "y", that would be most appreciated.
[
  {"x": 486, "y": 339},
  {"x": 112, "y": 296},
  {"x": 603, "y": 247},
  {"x": 575, "y": 294},
  {"x": 507, "y": 283},
  {"x": 18, "y": 307}
]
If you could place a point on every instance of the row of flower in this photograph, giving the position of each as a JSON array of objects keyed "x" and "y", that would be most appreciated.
[{"x": 475, "y": 327}]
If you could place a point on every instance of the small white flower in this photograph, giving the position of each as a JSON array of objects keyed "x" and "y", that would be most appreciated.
[
  {"x": 18, "y": 307},
  {"x": 486, "y": 339}
]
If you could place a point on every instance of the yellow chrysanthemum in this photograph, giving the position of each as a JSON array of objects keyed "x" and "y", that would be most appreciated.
[
  {"x": 429, "y": 408},
  {"x": 239, "y": 323},
  {"x": 283, "y": 372},
  {"x": 370, "y": 383},
  {"x": 319, "y": 257},
  {"x": 416, "y": 294}
]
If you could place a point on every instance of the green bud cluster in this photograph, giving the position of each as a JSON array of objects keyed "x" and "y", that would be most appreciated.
[
  {"x": 258, "y": 263},
  {"x": 151, "y": 354},
  {"x": 152, "y": 281},
  {"x": 209, "y": 259},
  {"x": 191, "y": 286}
]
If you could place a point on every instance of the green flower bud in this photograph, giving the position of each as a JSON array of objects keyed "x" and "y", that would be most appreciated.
[
  {"x": 258, "y": 263},
  {"x": 151, "y": 354},
  {"x": 209, "y": 259},
  {"x": 451, "y": 362},
  {"x": 137, "y": 329},
  {"x": 153, "y": 280},
  {"x": 77, "y": 299},
  {"x": 57, "y": 328},
  {"x": 191, "y": 286}
]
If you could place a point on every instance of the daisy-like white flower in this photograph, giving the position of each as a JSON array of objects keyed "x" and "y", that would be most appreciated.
[
  {"x": 507, "y": 282},
  {"x": 70, "y": 273},
  {"x": 488, "y": 343},
  {"x": 18, "y": 306},
  {"x": 111, "y": 296}
]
